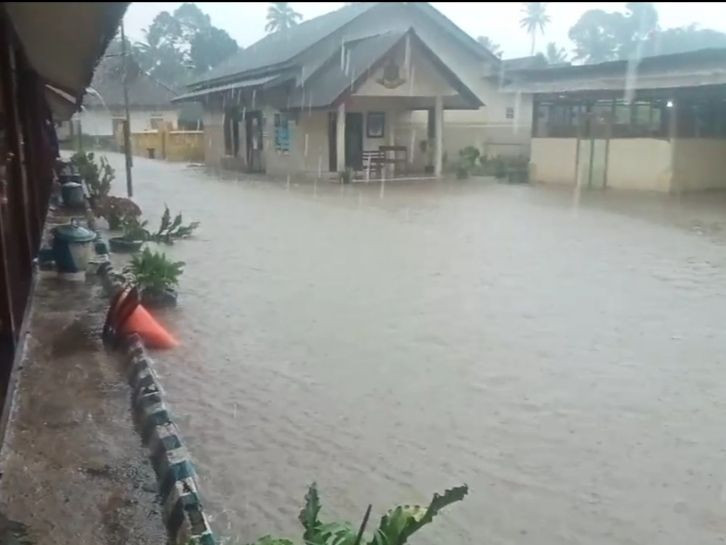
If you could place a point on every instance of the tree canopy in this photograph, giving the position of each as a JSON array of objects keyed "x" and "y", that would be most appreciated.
[
  {"x": 281, "y": 16},
  {"x": 182, "y": 44},
  {"x": 601, "y": 36},
  {"x": 534, "y": 17},
  {"x": 555, "y": 54},
  {"x": 493, "y": 48}
]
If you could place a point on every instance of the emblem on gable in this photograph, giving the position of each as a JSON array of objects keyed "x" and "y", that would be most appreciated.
[{"x": 391, "y": 76}]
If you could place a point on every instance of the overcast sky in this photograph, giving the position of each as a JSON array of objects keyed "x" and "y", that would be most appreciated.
[{"x": 245, "y": 22}]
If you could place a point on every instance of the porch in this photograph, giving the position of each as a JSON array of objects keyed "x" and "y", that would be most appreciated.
[{"x": 348, "y": 115}]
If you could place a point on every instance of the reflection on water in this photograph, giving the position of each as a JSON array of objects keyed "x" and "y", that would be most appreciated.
[{"x": 568, "y": 367}]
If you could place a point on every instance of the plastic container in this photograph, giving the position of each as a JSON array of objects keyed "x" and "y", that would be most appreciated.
[{"x": 72, "y": 247}]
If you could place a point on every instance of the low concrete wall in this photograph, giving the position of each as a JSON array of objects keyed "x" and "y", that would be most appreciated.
[
  {"x": 632, "y": 163},
  {"x": 699, "y": 163},
  {"x": 169, "y": 145},
  {"x": 639, "y": 163},
  {"x": 182, "y": 513},
  {"x": 184, "y": 146},
  {"x": 553, "y": 160}
]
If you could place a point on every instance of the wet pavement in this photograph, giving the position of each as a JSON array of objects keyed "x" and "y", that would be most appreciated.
[
  {"x": 561, "y": 354},
  {"x": 73, "y": 468}
]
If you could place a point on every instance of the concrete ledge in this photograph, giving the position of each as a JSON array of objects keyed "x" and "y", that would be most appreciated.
[{"x": 183, "y": 512}]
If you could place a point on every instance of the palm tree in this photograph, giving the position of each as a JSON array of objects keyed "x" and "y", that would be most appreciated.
[
  {"x": 281, "y": 16},
  {"x": 493, "y": 48},
  {"x": 534, "y": 17},
  {"x": 555, "y": 55}
]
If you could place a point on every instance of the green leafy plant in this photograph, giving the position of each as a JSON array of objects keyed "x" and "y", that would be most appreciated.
[
  {"x": 96, "y": 176},
  {"x": 134, "y": 230},
  {"x": 469, "y": 156},
  {"x": 346, "y": 176},
  {"x": 170, "y": 230},
  {"x": 395, "y": 527},
  {"x": 154, "y": 272}
]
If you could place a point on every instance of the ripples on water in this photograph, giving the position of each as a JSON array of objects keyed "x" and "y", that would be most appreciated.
[{"x": 567, "y": 366}]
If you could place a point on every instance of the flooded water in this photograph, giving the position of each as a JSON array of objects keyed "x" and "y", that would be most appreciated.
[{"x": 566, "y": 362}]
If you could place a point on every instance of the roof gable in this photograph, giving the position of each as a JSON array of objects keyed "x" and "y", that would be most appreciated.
[
  {"x": 144, "y": 90},
  {"x": 281, "y": 48},
  {"x": 356, "y": 62}
]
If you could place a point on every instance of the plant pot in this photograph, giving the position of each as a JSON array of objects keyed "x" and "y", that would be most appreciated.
[
  {"x": 72, "y": 194},
  {"x": 518, "y": 176},
  {"x": 159, "y": 299},
  {"x": 122, "y": 246}
]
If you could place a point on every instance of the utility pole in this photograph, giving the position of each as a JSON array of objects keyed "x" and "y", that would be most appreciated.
[{"x": 127, "y": 124}]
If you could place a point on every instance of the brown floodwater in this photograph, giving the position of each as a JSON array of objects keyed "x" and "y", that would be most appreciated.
[{"x": 564, "y": 355}]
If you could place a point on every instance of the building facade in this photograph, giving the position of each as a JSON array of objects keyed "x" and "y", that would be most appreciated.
[
  {"x": 361, "y": 86},
  {"x": 655, "y": 124}
]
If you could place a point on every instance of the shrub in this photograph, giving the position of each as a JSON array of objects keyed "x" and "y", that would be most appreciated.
[
  {"x": 469, "y": 156},
  {"x": 395, "y": 527},
  {"x": 96, "y": 176},
  {"x": 116, "y": 210},
  {"x": 171, "y": 230},
  {"x": 154, "y": 272}
]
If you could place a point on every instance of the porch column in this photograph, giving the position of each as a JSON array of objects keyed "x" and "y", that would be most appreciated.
[
  {"x": 439, "y": 129},
  {"x": 391, "y": 136},
  {"x": 340, "y": 138}
]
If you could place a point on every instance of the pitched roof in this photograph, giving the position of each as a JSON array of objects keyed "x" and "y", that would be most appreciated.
[
  {"x": 333, "y": 81},
  {"x": 143, "y": 90},
  {"x": 690, "y": 69},
  {"x": 525, "y": 63},
  {"x": 278, "y": 48}
]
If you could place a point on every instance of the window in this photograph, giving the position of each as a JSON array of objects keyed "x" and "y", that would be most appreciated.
[
  {"x": 282, "y": 132},
  {"x": 509, "y": 114},
  {"x": 156, "y": 122},
  {"x": 376, "y": 125}
]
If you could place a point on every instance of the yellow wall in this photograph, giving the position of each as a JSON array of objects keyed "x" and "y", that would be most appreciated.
[
  {"x": 184, "y": 146},
  {"x": 639, "y": 163},
  {"x": 169, "y": 145},
  {"x": 552, "y": 160},
  {"x": 699, "y": 163},
  {"x": 141, "y": 142}
]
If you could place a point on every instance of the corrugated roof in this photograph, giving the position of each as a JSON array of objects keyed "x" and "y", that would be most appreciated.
[
  {"x": 281, "y": 46},
  {"x": 331, "y": 80},
  {"x": 144, "y": 90},
  {"x": 337, "y": 77},
  {"x": 691, "y": 69},
  {"x": 243, "y": 84}
]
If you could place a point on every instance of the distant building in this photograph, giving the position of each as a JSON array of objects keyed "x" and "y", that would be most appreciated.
[
  {"x": 396, "y": 82},
  {"x": 655, "y": 124},
  {"x": 103, "y": 113}
]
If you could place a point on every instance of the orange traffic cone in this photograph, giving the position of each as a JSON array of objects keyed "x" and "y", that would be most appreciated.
[{"x": 144, "y": 324}]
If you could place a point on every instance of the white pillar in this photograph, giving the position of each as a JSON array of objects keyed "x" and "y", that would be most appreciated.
[
  {"x": 391, "y": 128},
  {"x": 439, "y": 130},
  {"x": 340, "y": 138}
]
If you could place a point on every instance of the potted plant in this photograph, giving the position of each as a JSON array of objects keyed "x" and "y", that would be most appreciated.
[
  {"x": 346, "y": 176},
  {"x": 156, "y": 277},
  {"x": 428, "y": 151},
  {"x": 169, "y": 230},
  {"x": 518, "y": 171},
  {"x": 116, "y": 210},
  {"x": 395, "y": 527},
  {"x": 134, "y": 235}
]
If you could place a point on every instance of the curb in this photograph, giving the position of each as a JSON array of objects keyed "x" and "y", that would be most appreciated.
[{"x": 183, "y": 512}]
